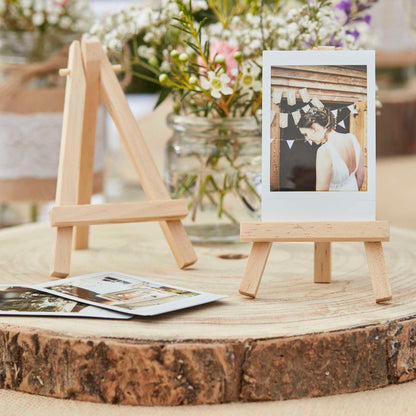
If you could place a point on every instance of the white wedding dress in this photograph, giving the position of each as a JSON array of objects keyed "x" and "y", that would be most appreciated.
[{"x": 341, "y": 179}]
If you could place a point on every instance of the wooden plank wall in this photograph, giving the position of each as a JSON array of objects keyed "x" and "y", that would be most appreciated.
[{"x": 329, "y": 83}]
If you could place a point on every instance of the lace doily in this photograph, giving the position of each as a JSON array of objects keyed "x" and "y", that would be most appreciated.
[{"x": 30, "y": 144}]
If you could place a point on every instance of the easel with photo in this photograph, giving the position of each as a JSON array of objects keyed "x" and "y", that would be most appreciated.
[
  {"x": 263, "y": 234},
  {"x": 90, "y": 74}
]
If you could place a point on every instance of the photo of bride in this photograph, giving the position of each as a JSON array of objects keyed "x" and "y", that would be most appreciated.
[{"x": 339, "y": 159}]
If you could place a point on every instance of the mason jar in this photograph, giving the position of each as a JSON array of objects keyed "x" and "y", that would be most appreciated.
[{"x": 215, "y": 164}]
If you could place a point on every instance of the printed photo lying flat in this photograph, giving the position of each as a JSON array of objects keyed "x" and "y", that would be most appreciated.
[
  {"x": 128, "y": 294},
  {"x": 29, "y": 301}
]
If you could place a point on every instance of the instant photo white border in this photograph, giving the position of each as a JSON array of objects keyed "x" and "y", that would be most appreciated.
[
  {"x": 153, "y": 310},
  {"x": 312, "y": 205},
  {"x": 88, "y": 312}
]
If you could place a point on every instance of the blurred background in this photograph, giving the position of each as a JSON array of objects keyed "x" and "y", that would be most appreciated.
[{"x": 31, "y": 104}]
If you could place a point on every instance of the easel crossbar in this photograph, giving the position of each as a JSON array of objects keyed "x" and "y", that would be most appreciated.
[
  {"x": 124, "y": 212},
  {"x": 363, "y": 231}
]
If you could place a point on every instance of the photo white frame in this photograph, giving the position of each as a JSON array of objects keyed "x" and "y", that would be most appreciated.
[{"x": 284, "y": 206}]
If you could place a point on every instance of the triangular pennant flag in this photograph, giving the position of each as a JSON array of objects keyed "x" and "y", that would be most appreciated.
[
  {"x": 277, "y": 96},
  {"x": 296, "y": 117},
  {"x": 335, "y": 113},
  {"x": 351, "y": 107},
  {"x": 272, "y": 116},
  {"x": 291, "y": 97},
  {"x": 283, "y": 120},
  {"x": 317, "y": 103},
  {"x": 290, "y": 143},
  {"x": 342, "y": 124},
  {"x": 304, "y": 95},
  {"x": 310, "y": 142},
  {"x": 306, "y": 108}
]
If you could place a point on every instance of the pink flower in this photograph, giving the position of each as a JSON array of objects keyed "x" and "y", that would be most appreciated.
[
  {"x": 225, "y": 49},
  {"x": 64, "y": 3}
]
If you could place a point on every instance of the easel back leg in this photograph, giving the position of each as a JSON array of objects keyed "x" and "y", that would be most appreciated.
[{"x": 322, "y": 261}]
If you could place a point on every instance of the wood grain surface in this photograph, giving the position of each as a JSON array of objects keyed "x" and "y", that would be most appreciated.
[{"x": 296, "y": 339}]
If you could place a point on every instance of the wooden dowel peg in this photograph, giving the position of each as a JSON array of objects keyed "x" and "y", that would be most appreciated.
[
  {"x": 322, "y": 262},
  {"x": 64, "y": 72}
]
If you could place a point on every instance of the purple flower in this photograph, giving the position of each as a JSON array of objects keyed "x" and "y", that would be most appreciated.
[
  {"x": 367, "y": 19},
  {"x": 354, "y": 33},
  {"x": 344, "y": 5}
]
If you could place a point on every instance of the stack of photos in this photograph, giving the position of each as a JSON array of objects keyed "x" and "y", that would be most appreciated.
[
  {"x": 318, "y": 136},
  {"x": 101, "y": 295}
]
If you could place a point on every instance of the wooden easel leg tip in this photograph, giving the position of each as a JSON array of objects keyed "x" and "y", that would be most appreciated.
[
  {"x": 385, "y": 299},
  {"x": 184, "y": 265},
  {"x": 58, "y": 274},
  {"x": 251, "y": 295}
]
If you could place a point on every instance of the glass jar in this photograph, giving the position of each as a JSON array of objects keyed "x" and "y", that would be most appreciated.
[{"x": 216, "y": 165}]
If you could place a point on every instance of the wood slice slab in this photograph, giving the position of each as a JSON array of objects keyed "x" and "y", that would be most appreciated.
[{"x": 296, "y": 339}]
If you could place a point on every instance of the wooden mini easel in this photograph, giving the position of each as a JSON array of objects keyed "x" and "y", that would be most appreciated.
[
  {"x": 263, "y": 234},
  {"x": 90, "y": 73}
]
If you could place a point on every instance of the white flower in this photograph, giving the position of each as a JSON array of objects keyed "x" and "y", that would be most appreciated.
[
  {"x": 249, "y": 77},
  {"x": 65, "y": 22},
  {"x": 217, "y": 83},
  {"x": 38, "y": 19}
]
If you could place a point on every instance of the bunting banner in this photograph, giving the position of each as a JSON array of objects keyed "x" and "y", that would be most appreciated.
[
  {"x": 291, "y": 97},
  {"x": 304, "y": 95},
  {"x": 277, "y": 96},
  {"x": 290, "y": 143},
  {"x": 283, "y": 123},
  {"x": 297, "y": 114}
]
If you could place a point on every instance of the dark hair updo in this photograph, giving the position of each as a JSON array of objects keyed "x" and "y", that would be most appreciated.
[{"x": 323, "y": 117}]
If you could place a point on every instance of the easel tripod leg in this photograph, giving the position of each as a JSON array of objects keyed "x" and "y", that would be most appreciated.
[
  {"x": 378, "y": 271},
  {"x": 254, "y": 269},
  {"x": 62, "y": 252},
  {"x": 322, "y": 269},
  {"x": 179, "y": 243}
]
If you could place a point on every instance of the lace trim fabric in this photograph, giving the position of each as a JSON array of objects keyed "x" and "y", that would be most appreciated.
[{"x": 30, "y": 144}]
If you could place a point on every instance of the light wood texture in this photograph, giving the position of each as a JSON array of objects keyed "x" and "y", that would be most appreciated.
[
  {"x": 68, "y": 172},
  {"x": 322, "y": 263},
  {"x": 64, "y": 72},
  {"x": 117, "y": 213},
  {"x": 254, "y": 270},
  {"x": 295, "y": 339},
  {"x": 338, "y": 84},
  {"x": 92, "y": 60},
  {"x": 149, "y": 176},
  {"x": 315, "y": 231},
  {"x": 378, "y": 271}
]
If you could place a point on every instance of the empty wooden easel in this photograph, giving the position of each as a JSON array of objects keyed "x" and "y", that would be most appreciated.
[{"x": 90, "y": 74}]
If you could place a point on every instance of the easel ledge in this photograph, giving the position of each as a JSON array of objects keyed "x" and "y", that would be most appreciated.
[{"x": 264, "y": 234}]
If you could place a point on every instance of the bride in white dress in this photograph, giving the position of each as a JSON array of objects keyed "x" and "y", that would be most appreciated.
[{"x": 339, "y": 159}]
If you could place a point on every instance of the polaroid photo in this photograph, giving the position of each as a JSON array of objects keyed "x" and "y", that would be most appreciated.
[
  {"x": 128, "y": 294},
  {"x": 318, "y": 136},
  {"x": 27, "y": 300}
]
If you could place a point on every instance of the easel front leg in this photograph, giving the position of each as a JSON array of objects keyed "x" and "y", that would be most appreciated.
[
  {"x": 254, "y": 269},
  {"x": 322, "y": 270},
  {"x": 378, "y": 271},
  {"x": 179, "y": 243},
  {"x": 62, "y": 252}
]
